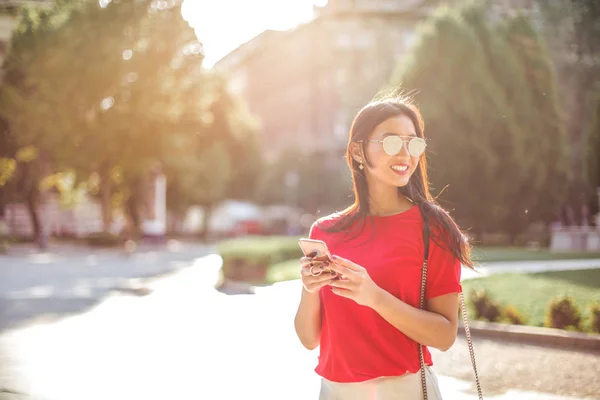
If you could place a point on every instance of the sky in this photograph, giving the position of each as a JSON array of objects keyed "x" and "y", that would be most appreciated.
[{"x": 222, "y": 25}]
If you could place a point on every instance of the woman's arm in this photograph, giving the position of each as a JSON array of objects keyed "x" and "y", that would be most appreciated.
[
  {"x": 435, "y": 327},
  {"x": 308, "y": 319}
]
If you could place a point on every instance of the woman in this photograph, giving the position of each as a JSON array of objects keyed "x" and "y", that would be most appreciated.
[{"x": 365, "y": 313}]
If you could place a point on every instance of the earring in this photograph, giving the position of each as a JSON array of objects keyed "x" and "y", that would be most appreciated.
[{"x": 360, "y": 166}]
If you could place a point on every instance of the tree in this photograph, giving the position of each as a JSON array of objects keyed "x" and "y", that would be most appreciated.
[
  {"x": 140, "y": 80},
  {"x": 28, "y": 158},
  {"x": 547, "y": 153},
  {"x": 142, "y": 98},
  {"x": 592, "y": 154},
  {"x": 572, "y": 29},
  {"x": 483, "y": 136}
]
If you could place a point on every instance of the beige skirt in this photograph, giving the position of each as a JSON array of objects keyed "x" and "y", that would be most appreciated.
[{"x": 405, "y": 387}]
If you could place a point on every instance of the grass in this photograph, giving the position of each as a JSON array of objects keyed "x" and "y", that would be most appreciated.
[
  {"x": 530, "y": 294},
  {"x": 284, "y": 271},
  {"x": 489, "y": 254},
  {"x": 276, "y": 248}
]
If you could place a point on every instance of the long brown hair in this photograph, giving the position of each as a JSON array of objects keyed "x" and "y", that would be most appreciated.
[{"x": 446, "y": 233}]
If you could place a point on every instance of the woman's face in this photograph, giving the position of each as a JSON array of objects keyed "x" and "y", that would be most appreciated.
[{"x": 393, "y": 170}]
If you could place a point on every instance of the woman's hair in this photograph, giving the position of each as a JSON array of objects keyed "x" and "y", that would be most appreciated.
[{"x": 446, "y": 232}]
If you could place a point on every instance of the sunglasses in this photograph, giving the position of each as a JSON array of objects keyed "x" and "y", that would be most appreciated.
[{"x": 392, "y": 145}]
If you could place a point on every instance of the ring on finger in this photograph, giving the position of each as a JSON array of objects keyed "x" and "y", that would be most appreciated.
[{"x": 313, "y": 273}]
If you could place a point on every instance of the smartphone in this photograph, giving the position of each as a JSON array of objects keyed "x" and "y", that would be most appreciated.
[{"x": 317, "y": 249}]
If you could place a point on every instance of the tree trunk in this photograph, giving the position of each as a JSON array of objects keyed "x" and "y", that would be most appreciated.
[
  {"x": 133, "y": 211},
  {"x": 205, "y": 221},
  {"x": 133, "y": 215},
  {"x": 31, "y": 202},
  {"x": 105, "y": 201}
]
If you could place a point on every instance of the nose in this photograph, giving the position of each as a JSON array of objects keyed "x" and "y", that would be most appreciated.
[{"x": 404, "y": 149}]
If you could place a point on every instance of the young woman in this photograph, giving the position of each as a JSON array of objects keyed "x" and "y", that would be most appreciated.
[{"x": 365, "y": 313}]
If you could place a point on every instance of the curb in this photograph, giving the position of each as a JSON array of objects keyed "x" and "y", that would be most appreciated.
[{"x": 534, "y": 335}]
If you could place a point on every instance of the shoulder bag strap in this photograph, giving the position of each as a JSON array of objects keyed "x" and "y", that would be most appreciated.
[{"x": 462, "y": 309}]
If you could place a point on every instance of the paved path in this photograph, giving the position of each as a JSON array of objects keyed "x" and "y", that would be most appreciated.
[
  {"x": 70, "y": 279},
  {"x": 490, "y": 268},
  {"x": 183, "y": 341}
]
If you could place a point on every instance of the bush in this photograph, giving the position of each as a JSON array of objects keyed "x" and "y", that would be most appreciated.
[
  {"x": 563, "y": 313},
  {"x": 249, "y": 258},
  {"x": 595, "y": 317},
  {"x": 4, "y": 246},
  {"x": 511, "y": 315},
  {"x": 484, "y": 307},
  {"x": 102, "y": 239},
  {"x": 14, "y": 239}
]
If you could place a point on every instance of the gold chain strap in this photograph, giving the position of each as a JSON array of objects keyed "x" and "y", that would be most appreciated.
[
  {"x": 422, "y": 306},
  {"x": 463, "y": 310}
]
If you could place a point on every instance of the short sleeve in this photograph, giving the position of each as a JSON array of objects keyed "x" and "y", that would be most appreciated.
[
  {"x": 314, "y": 231},
  {"x": 443, "y": 272}
]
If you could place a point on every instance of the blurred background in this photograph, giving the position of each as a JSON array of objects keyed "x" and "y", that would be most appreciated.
[{"x": 160, "y": 158}]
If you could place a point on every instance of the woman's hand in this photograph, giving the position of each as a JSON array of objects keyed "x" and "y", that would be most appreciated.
[
  {"x": 310, "y": 268},
  {"x": 354, "y": 282}
]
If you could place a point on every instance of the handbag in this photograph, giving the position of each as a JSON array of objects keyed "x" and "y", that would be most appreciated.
[{"x": 462, "y": 309}]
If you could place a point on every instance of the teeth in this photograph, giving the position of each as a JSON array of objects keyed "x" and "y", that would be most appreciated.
[{"x": 399, "y": 168}]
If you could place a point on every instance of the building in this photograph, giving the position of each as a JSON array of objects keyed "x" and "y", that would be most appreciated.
[{"x": 306, "y": 84}]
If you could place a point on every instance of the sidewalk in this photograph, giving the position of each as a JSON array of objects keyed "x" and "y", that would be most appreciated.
[
  {"x": 183, "y": 341},
  {"x": 490, "y": 268}
]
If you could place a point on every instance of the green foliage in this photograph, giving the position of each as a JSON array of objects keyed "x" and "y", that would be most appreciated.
[
  {"x": 531, "y": 293},
  {"x": 592, "y": 152},
  {"x": 103, "y": 239},
  {"x": 541, "y": 122},
  {"x": 275, "y": 248},
  {"x": 7, "y": 169},
  {"x": 511, "y": 315},
  {"x": 572, "y": 28},
  {"x": 488, "y": 97},
  {"x": 485, "y": 308},
  {"x": 595, "y": 317},
  {"x": 563, "y": 313},
  {"x": 250, "y": 258},
  {"x": 139, "y": 97},
  {"x": 284, "y": 271}
]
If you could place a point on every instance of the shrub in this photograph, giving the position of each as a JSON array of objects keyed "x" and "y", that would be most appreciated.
[
  {"x": 102, "y": 239},
  {"x": 249, "y": 258},
  {"x": 484, "y": 307},
  {"x": 511, "y": 315},
  {"x": 595, "y": 317},
  {"x": 563, "y": 313}
]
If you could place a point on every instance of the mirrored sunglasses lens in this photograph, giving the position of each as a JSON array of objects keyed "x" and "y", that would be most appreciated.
[
  {"x": 392, "y": 145},
  {"x": 416, "y": 147}
]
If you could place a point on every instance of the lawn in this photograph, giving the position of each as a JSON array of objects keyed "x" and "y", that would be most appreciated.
[
  {"x": 531, "y": 293},
  {"x": 289, "y": 269}
]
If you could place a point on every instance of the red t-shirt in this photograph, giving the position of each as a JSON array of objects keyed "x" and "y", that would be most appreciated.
[{"x": 356, "y": 343}]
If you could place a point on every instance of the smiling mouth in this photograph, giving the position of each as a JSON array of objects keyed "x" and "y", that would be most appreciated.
[{"x": 400, "y": 168}]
